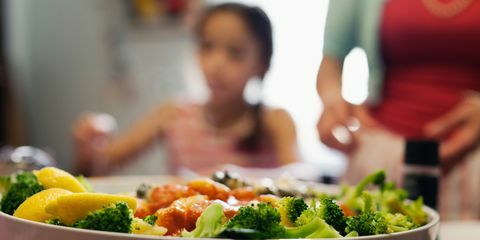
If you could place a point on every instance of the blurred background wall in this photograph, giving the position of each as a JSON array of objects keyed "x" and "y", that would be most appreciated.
[{"x": 67, "y": 57}]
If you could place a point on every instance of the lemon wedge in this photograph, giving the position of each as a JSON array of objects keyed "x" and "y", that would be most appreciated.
[
  {"x": 51, "y": 177},
  {"x": 34, "y": 207},
  {"x": 70, "y": 208}
]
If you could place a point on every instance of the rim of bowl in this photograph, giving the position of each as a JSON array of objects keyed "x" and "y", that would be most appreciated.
[{"x": 434, "y": 219}]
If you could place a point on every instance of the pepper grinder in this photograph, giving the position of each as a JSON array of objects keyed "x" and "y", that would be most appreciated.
[{"x": 422, "y": 171}]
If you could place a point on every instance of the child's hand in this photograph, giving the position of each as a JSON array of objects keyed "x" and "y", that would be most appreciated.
[
  {"x": 91, "y": 133},
  {"x": 459, "y": 130}
]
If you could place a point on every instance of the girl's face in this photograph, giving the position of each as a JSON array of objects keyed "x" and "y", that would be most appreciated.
[{"x": 228, "y": 55}]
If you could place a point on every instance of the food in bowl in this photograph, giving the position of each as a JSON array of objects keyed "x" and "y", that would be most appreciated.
[{"x": 206, "y": 208}]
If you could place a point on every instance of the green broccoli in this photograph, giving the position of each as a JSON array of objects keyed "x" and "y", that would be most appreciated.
[
  {"x": 398, "y": 222},
  {"x": 5, "y": 183},
  {"x": 326, "y": 209},
  {"x": 254, "y": 222},
  {"x": 150, "y": 219},
  {"x": 415, "y": 211},
  {"x": 114, "y": 218},
  {"x": 351, "y": 195},
  {"x": 290, "y": 209},
  {"x": 316, "y": 228},
  {"x": 392, "y": 200},
  {"x": 209, "y": 224},
  {"x": 23, "y": 185},
  {"x": 263, "y": 221},
  {"x": 367, "y": 223},
  {"x": 371, "y": 221},
  {"x": 55, "y": 222}
]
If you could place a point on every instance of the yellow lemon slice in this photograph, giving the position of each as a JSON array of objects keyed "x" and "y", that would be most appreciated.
[
  {"x": 34, "y": 207},
  {"x": 70, "y": 208},
  {"x": 51, "y": 177}
]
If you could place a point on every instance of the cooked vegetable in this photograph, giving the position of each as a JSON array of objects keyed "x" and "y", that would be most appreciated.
[
  {"x": 398, "y": 222},
  {"x": 351, "y": 196},
  {"x": 55, "y": 222},
  {"x": 209, "y": 224},
  {"x": 201, "y": 208},
  {"x": 150, "y": 219},
  {"x": 371, "y": 221},
  {"x": 290, "y": 209},
  {"x": 392, "y": 200},
  {"x": 114, "y": 218},
  {"x": 367, "y": 223},
  {"x": 255, "y": 221},
  {"x": 23, "y": 185},
  {"x": 317, "y": 228},
  {"x": 327, "y": 210},
  {"x": 5, "y": 183}
]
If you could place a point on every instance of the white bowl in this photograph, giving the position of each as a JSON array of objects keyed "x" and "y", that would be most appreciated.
[{"x": 12, "y": 228}]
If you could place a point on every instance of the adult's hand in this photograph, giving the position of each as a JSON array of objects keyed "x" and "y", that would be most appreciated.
[
  {"x": 332, "y": 123},
  {"x": 458, "y": 130}
]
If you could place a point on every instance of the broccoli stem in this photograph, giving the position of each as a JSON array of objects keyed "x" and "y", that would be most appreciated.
[
  {"x": 377, "y": 178},
  {"x": 317, "y": 228}
]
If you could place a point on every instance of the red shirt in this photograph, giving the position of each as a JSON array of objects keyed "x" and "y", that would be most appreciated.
[{"x": 430, "y": 62}]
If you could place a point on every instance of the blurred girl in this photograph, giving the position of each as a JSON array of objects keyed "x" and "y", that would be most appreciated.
[{"x": 234, "y": 45}]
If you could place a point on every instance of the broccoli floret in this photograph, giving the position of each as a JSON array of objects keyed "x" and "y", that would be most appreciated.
[
  {"x": 24, "y": 186},
  {"x": 376, "y": 178},
  {"x": 209, "y": 224},
  {"x": 392, "y": 200},
  {"x": 290, "y": 209},
  {"x": 415, "y": 211},
  {"x": 371, "y": 223},
  {"x": 351, "y": 195},
  {"x": 316, "y": 228},
  {"x": 114, "y": 218},
  {"x": 84, "y": 183},
  {"x": 398, "y": 222},
  {"x": 327, "y": 210},
  {"x": 367, "y": 223},
  {"x": 5, "y": 184},
  {"x": 254, "y": 222},
  {"x": 150, "y": 219},
  {"x": 55, "y": 222}
]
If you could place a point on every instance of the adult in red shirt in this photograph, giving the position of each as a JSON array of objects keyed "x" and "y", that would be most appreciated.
[{"x": 429, "y": 57}]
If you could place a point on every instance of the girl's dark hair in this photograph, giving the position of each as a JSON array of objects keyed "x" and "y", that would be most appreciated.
[{"x": 260, "y": 27}]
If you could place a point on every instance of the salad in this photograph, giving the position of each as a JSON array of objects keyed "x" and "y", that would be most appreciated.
[{"x": 223, "y": 206}]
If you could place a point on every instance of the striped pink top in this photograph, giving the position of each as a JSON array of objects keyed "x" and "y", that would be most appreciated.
[{"x": 194, "y": 144}]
